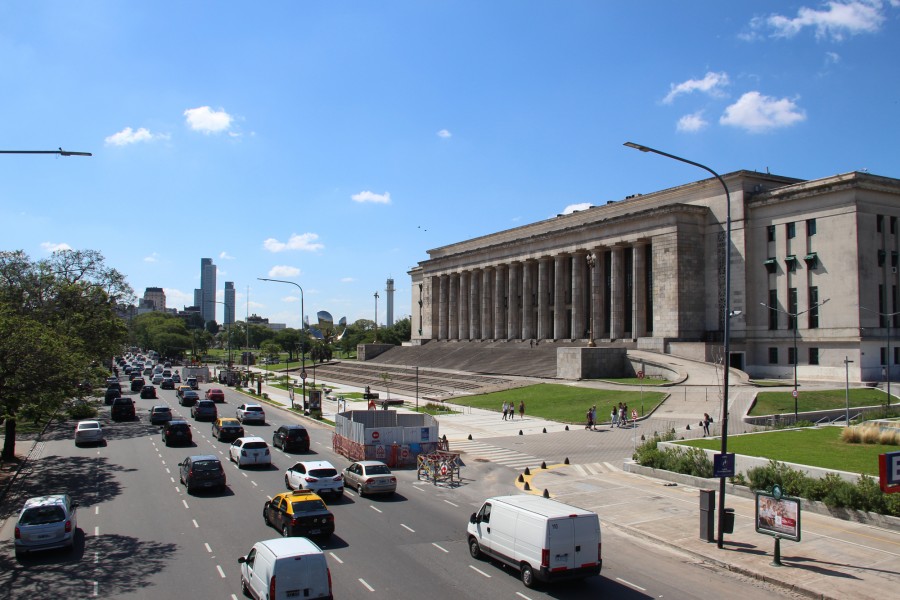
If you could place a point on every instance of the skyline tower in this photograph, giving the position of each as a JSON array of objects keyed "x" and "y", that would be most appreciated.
[
  {"x": 390, "y": 301},
  {"x": 229, "y": 303},
  {"x": 207, "y": 289}
]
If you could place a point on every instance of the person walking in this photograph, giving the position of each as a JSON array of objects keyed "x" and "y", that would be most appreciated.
[
  {"x": 706, "y": 421},
  {"x": 613, "y": 417},
  {"x": 512, "y": 411},
  {"x": 621, "y": 415},
  {"x": 594, "y": 418},
  {"x": 521, "y": 409},
  {"x": 590, "y": 421},
  {"x": 504, "y": 411}
]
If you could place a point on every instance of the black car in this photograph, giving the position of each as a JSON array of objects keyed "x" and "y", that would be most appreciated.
[
  {"x": 122, "y": 409},
  {"x": 148, "y": 391},
  {"x": 205, "y": 410},
  {"x": 167, "y": 384},
  {"x": 300, "y": 512},
  {"x": 202, "y": 472},
  {"x": 291, "y": 438},
  {"x": 227, "y": 430},
  {"x": 137, "y": 384},
  {"x": 111, "y": 394},
  {"x": 189, "y": 398},
  {"x": 177, "y": 431}
]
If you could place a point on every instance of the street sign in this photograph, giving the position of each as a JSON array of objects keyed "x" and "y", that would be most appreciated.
[
  {"x": 633, "y": 414},
  {"x": 640, "y": 374},
  {"x": 794, "y": 393},
  {"x": 379, "y": 451},
  {"x": 889, "y": 472},
  {"x": 723, "y": 465},
  {"x": 375, "y": 435},
  {"x": 778, "y": 517},
  {"x": 303, "y": 374}
]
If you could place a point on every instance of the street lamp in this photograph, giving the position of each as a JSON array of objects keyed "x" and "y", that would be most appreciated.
[
  {"x": 227, "y": 335},
  {"x": 727, "y": 319},
  {"x": 59, "y": 152},
  {"x": 591, "y": 263},
  {"x": 302, "y": 328},
  {"x": 795, "y": 317},
  {"x": 890, "y": 317},
  {"x": 376, "y": 316}
]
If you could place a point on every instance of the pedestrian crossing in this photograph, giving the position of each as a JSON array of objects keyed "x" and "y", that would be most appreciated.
[
  {"x": 596, "y": 468},
  {"x": 502, "y": 456}
]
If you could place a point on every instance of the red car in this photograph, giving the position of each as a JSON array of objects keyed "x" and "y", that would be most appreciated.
[{"x": 215, "y": 394}]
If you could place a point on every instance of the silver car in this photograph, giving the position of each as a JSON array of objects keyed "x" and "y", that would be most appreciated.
[
  {"x": 46, "y": 522},
  {"x": 370, "y": 477},
  {"x": 88, "y": 432}
]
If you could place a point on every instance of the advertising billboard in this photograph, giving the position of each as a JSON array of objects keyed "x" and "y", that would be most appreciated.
[{"x": 778, "y": 516}]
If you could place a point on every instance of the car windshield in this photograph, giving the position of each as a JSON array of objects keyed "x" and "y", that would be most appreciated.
[
  {"x": 41, "y": 515},
  {"x": 230, "y": 423},
  {"x": 254, "y": 409},
  {"x": 322, "y": 472},
  {"x": 255, "y": 445},
  {"x": 208, "y": 465},
  {"x": 89, "y": 426},
  {"x": 295, "y": 433},
  {"x": 160, "y": 409},
  {"x": 378, "y": 470},
  {"x": 308, "y": 506}
]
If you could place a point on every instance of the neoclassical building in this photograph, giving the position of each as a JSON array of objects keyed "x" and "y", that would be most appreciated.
[{"x": 813, "y": 259}]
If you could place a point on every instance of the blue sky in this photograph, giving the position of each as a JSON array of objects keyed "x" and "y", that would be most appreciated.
[{"x": 334, "y": 143}]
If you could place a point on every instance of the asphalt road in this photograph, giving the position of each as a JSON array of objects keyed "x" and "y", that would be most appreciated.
[{"x": 143, "y": 536}]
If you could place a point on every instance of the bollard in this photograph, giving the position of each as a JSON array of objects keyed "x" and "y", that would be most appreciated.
[
  {"x": 521, "y": 478},
  {"x": 565, "y": 462},
  {"x": 527, "y": 471},
  {"x": 567, "y": 427},
  {"x": 543, "y": 465},
  {"x": 470, "y": 436},
  {"x": 545, "y": 430},
  {"x": 546, "y": 493},
  {"x": 527, "y": 487},
  {"x": 520, "y": 432},
  {"x": 688, "y": 427}
]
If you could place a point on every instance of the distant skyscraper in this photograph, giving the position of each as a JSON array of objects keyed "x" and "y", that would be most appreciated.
[
  {"x": 229, "y": 302},
  {"x": 390, "y": 301},
  {"x": 208, "y": 289},
  {"x": 155, "y": 298},
  {"x": 198, "y": 298}
]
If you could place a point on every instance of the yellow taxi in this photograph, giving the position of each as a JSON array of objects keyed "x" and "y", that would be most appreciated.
[
  {"x": 181, "y": 390},
  {"x": 299, "y": 513}
]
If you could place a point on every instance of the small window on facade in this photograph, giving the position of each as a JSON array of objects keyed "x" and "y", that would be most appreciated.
[
  {"x": 770, "y": 233},
  {"x": 893, "y": 259},
  {"x": 879, "y": 223},
  {"x": 812, "y": 260},
  {"x": 810, "y": 227},
  {"x": 791, "y": 230},
  {"x": 773, "y": 356},
  {"x": 896, "y": 355},
  {"x": 814, "y": 311},
  {"x": 893, "y": 225},
  {"x": 771, "y": 265},
  {"x": 791, "y": 263},
  {"x": 792, "y": 307},
  {"x": 813, "y": 356},
  {"x": 792, "y": 356},
  {"x": 882, "y": 354},
  {"x": 881, "y": 255},
  {"x": 773, "y": 314}
]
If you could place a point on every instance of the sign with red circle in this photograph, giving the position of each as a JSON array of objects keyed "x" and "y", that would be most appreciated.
[
  {"x": 794, "y": 393},
  {"x": 375, "y": 435},
  {"x": 640, "y": 374},
  {"x": 404, "y": 452},
  {"x": 443, "y": 469},
  {"x": 633, "y": 414}
]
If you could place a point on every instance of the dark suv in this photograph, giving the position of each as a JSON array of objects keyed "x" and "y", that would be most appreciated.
[
  {"x": 177, "y": 432},
  {"x": 122, "y": 409},
  {"x": 137, "y": 384},
  {"x": 202, "y": 472},
  {"x": 111, "y": 394},
  {"x": 291, "y": 438},
  {"x": 205, "y": 410}
]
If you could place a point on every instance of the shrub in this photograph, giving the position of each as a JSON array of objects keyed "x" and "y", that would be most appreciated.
[
  {"x": 889, "y": 437},
  {"x": 851, "y": 435},
  {"x": 82, "y": 410},
  {"x": 870, "y": 434}
]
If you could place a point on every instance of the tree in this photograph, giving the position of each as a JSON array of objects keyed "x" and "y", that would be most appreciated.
[
  {"x": 320, "y": 352},
  {"x": 288, "y": 339},
  {"x": 212, "y": 327},
  {"x": 270, "y": 349}
]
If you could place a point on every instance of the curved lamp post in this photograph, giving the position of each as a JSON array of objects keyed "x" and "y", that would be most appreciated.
[
  {"x": 59, "y": 152},
  {"x": 302, "y": 328},
  {"x": 376, "y": 316},
  {"x": 727, "y": 320}
]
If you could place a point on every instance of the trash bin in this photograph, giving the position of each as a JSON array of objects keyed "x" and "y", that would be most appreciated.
[
  {"x": 708, "y": 515},
  {"x": 728, "y": 521}
]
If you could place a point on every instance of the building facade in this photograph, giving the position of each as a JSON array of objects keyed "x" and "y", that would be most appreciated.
[
  {"x": 649, "y": 272},
  {"x": 229, "y": 302},
  {"x": 207, "y": 289},
  {"x": 154, "y": 299}
]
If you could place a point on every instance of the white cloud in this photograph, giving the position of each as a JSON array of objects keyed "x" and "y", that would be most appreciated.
[
  {"x": 283, "y": 271},
  {"x": 712, "y": 84},
  {"x": 444, "y": 133},
  {"x": 130, "y": 136},
  {"x": 206, "y": 120},
  {"x": 347, "y": 279},
  {"x": 368, "y": 196},
  {"x": 152, "y": 258},
  {"x": 576, "y": 207},
  {"x": 833, "y": 58},
  {"x": 835, "y": 20},
  {"x": 55, "y": 247},
  {"x": 224, "y": 255},
  {"x": 304, "y": 241},
  {"x": 290, "y": 299},
  {"x": 692, "y": 123},
  {"x": 175, "y": 298},
  {"x": 756, "y": 113}
]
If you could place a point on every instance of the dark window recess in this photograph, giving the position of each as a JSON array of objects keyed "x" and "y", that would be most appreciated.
[
  {"x": 879, "y": 223},
  {"x": 771, "y": 264},
  {"x": 893, "y": 258},
  {"x": 790, "y": 263},
  {"x": 810, "y": 227},
  {"x": 792, "y": 356},
  {"x": 813, "y": 356},
  {"x": 813, "y": 321},
  {"x": 791, "y": 230},
  {"x": 893, "y": 225},
  {"x": 881, "y": 256},
  {"x": 773, "y": 314},
  {"x": 770, "y": 233},
  {"x": 792, "y": 308},
  {"x": 812, "y": 260},
  {"x": 773, "y": 356}
]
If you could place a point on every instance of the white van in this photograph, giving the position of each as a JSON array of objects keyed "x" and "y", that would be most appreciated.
[
  {"x": 545, "y": 539},
  {"x": 292, "y": 567}
]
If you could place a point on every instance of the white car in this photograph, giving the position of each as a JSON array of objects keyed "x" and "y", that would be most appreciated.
[
  {"x": 157, "y": 379},
  {"x": 319, "y": 476},
  {"x": 247, "y": 413},
  {"x": 250, "y": 451},
  {"x": 88, "y": 432}
]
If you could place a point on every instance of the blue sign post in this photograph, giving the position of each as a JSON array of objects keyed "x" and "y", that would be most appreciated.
[{"x": 723, "y": 465}]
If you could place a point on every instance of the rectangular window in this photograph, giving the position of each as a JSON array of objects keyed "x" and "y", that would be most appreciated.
[
  {"x": 894, "y": 259},
  {"x": 773, "y": 314},
  {"x": 791, "y": 230},
  {"x": 810, "y": 227},
  {"x": 790, "y": 262},
  {"x": 792, "y": 307},
  {"x": 814, "y": 311},
  {"x": 882, "y": 353},
  {"x": 879, "y": 223},
  {"x": 881, "y": 255},
  {"x": 896, "y": 355},
  {"x": 773, "y": 356},
  {"x": 770, "y": 233},
  {"x": 882, "y": 320},
  {"x": 893, "y": 222},
  {"x": 813, "y": 356},
  {"x": 792, "y": 356}
]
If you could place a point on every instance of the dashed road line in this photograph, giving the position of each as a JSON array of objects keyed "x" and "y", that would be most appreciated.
[
  {"x": 444, "y": 550},
  {"x": 185, "y": 504},
  {"x": 336, "y": 557},
  {"x": 208, "y": 549},
  {"x": 221, "y": 572},
  {"x": 477, "y": 570},
  {"x": 407, "y": 527},
  {"x": 194, "y": 521},
  {"x": 631, "y": 585},
  {"x": 375, "y": 509},
  {"x": 368, "y": 587}
]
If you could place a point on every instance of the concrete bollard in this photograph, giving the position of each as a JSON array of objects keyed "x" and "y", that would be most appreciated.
[
  {"x": 546, "y": 493},
  {"x": 543, "y": 465},
  {"x": 470, "y": 436},
  {"x": 565, "y": 462},
  {"x": 527, "y": 487},
  {"x": 527, "y": 471},
  {"x": 521, "y": 478},
  {"x": 520, "y": 432}
]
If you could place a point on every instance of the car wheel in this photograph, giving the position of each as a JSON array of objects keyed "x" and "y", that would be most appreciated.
[
  {"x": 285, "y": 532},
  {"x": 527, "y": 576},
  {"x": 474, "y": 548},
  {"x": 359, "y": 489},
  {"x": 287, "y": 483},
  {"x": 266, "y": 514}
]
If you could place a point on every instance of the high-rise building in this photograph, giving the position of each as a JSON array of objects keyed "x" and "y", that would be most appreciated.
[
  {"x": 229, "y": 303},
  {"x": 390, "y": 301},
  {"x": 198, "y": 297},
  {"x": 154, "y": 298},
  {"x": 208, "y": 289}
]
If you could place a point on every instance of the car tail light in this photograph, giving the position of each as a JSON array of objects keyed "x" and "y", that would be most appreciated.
[
  {"x": 191, "y": 473},
  {"x": 18, "y": 533},
  {"x": 329, "y": 581},
  {"x": 243, "y": 453},
  {"x": 272, "y": 587},
  {"x": 68, "y": 526},
  {"x": 310, "y": 479},
  {"x": 295, "y": 521},
  {"x": 393, "y": 480},
  {"x": 599, "y": 552},
  {"x": 267, "y": 451},
  {"x": 329, "y": 518},
  {"x": 338, "y": 478},
  {"x": 545, "y": 557}
]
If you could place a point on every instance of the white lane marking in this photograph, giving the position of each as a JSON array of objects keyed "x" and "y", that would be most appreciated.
[
  {"x": 368, "y": 587},
  {"x": 96, "y": 557},
  {"x": 521, "y": 595},
  {"x": 221, "y": 572},
  {"x": 410, "y": 529},
  {"x": 96, "y": 530},
  {"x": 632, "y": 585},
  {"x": 208, "y": 549},
  {"x": 419, "y": 488},
  {"x": 96, "y": 510},
  {"x": 451, "y": 504},
  {"x": 163, "y": 462},
  {"x": 375, "y": 509},
  {"x": 194, "y": 521},
  {"x": 168, "y": 471},
  {"x": 477, "y": 570},
  {"x": 233, "y": 597},
  {"x": 335, "y": 557},
  {"x": 185, "y": 503},
  {"x": 96, "y": 588},
  {"x": 253, "y": 482},
  {"x": 177, "y": 489},
  {"x": 244, "y": 474},
  {"x": 444, "y": 550}
]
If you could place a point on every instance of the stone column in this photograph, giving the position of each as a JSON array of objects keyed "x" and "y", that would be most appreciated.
[
  {"x": 559, "y": 297},
  {"x": 514, "y": 311},
  {"x": 579, "y": 318},
  {"x": 528, "y": 300},
  {"x": 487, "y": 303},
  {"x": 499, "y": 302},
  {"x": 595, "y": 323},
  {"x": 453, "y": 318},
  {"x": 544, "y": 331},
  {"x": 617, "y": 294},
  {"x": 464, "y": 305},
  {"x": 639, "y": 301},
  {"x": 475, "y": 305},
  {"x": 443, "y": 305}
]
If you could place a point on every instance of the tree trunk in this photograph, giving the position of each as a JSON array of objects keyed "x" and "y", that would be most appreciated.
[{"x": 9, "y": 443}]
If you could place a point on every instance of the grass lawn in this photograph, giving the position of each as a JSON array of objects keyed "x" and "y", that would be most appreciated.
[
  {"x": 773, "y": 403},
  {"x": 562, "y": 403},
  {"x": 816, "y": 447},
  {"x": 637, "y": 381}
]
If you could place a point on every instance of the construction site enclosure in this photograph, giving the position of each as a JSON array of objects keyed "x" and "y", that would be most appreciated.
[{"x": 396, "y": 439}]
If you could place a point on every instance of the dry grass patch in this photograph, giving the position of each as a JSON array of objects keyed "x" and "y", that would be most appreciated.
[{"x": 870, "y": 434}]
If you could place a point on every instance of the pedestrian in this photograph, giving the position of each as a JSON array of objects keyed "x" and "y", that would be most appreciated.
[
  {"x": 521, "y": 409},
  {"x": 594, "y": 418},
  {"x": 512, "y": 411},
  {"x": 590, "y": 419},
  {"x": 613, "y": 417},
  {"x": 621, "y": 415},
  {"x": 504, "y": 410},
  {"x": 531, "y": 342},
  {"x": 706, "y": 421}
]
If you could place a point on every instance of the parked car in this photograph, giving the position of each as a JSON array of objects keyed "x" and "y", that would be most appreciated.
[
  {"x": 215, "y": 394},
  {"x": 148, "y": 392},
  {"x": 202, "y": 472},
  {"x": 251, "y": 413},
  {"x": 250, "y": 450},
  {"x": 299, "y": 513},
  {"x": 122, "y": 409},
  {"x": 370, "y": 477},
  {"x": 227, "y": 429},
  {"x": 46, "y": 522},
  {"x": 319, "y": 476},
  {"x": 111, "y": 394},
  {"x": 167, "y": 384},
  {"x": 294, "y": 563},
  {"x": 291, "y": 438},
  {"x": 189, "y": 398},
  {"x": 137, "y": 384},
  {"x": 204, "y": 410},
  {"x": 177, "y": 431},
  {"x": 160, "y": 414},
  {"x": 88, "y": 431}
]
